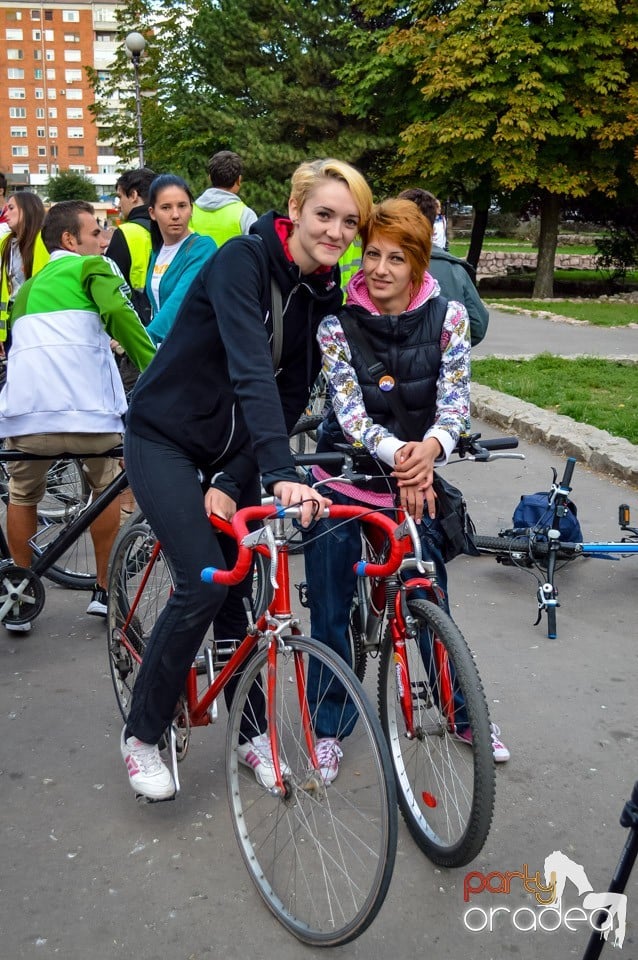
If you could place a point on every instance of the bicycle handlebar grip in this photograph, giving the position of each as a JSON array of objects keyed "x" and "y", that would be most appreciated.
[
  {"x": 328, "y": 459},
  {"x": 569, "y": 470},
  {"x": 499, "y": 443}
]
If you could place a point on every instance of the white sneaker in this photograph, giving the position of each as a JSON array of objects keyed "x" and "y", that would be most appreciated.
[
  {"x": 257, "y": 755},
  {"x": 148, "y": 774},
  {"x": 329, "y": 753},
  {"x": 18, "y": 627}
]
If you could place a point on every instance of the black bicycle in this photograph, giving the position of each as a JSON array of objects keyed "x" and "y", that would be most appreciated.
[{"x": 64, "y": 520}]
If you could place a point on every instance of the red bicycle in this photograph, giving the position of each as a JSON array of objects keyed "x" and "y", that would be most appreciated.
[{"x": 321, "y": 856}]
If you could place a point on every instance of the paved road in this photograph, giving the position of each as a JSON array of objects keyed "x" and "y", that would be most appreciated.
[
  {"x": 517, "y": 334},
  {"x": 87, "y": 874}
]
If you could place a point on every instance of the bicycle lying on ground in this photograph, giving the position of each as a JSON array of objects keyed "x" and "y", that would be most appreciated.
[
  {"x": 64, "y": 519},
  {"x": 321, "y": 856},
  {"x": 540, "y": 547}
]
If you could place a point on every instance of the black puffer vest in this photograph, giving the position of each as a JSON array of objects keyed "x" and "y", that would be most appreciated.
[{"x": 409, "y": 346}]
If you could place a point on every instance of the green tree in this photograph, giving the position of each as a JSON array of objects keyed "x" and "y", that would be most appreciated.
[
  {"x": 255, "y": 76},
  {"x": 70, "y": 185},
  {"x": 521, "y": 94}
]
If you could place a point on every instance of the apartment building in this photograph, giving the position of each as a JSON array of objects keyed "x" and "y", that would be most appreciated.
[{"x": 45, "y": 123}]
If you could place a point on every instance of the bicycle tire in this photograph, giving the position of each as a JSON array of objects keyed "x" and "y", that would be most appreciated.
[
  {"x": 133, "y": 609},
  {"x": 321, "y": 856},
  {"x": 445, "y": 786},
  {"x": 356, "y": 634}
]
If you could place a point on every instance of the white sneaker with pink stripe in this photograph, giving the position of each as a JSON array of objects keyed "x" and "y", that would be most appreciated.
[
  {"x": 257, "y": 755},
  {"x": 147, "y": 772}
]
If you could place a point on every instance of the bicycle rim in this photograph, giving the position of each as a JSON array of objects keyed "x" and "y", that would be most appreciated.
[
  {"x": 140, "y": 583},
  {"x": 445, "y": 786},
  {"x": 321, "y": 856},
  {"x": 67, "y": 494}
]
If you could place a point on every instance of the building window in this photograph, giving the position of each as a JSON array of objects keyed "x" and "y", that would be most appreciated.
[
  {"x": 19, "y": 151},
  {"x": 103, "y": 15},
  {"x": 53, "y": 150},
  {"x": 37, "y": 54},
  {"x": 50, "y": 73},
  {"x": 14, "y": 15},
  {"x": 53, "y": 113},
  {"x": 49, "y": 36},
  {"x": 35, "y": 15},
  {"x": 36, "y": 35},
  {"x": 20, "y": 168},
  {"x": 17, "y": 93},
  {"x": 39, "y": 113},
  {"x": 76, "y": 151},
  {"x": 43, "y": 167},
  {"x": 13, "y": 53},
  {"x": 41, "y": 132},
  {"x": 71, "y": 37},
  {"x": 17, "y": 113},
  {"x": 73, "y": 76},
  {"x": 15, "y": 73},
  {"x": 74, "y": 113},
  {"x": 73, "y": 56},
  {"x": 39, "y": 93},
  {"x": 52, "y": 93},
  {"x": 18, "y": 132},
  {"x": 49, "y": 55},
  {"x": 11, "y": 33},
  {"x": 37, "y": 73},
  {"x": 53, "y": 133},
  {"x": 75, "y": 133},
  {"x": 73, "y": 94},
  {"x": 48, "y": 14},
  {"x": 70, "y": 16}
]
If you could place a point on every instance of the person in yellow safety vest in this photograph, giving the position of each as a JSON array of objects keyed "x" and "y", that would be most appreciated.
[
  {"x": 350, "y": 262},
  {"x": 219, "y": 212},
  {"x": 22, "y": 252}
]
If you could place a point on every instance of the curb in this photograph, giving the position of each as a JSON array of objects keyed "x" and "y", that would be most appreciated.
[{"x": 597, "y": 448}]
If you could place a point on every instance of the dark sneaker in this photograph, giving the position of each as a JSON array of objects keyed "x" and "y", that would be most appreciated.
[{"x": 99, "y": 601}]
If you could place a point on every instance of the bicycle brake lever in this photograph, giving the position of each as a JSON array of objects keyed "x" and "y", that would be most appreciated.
[
  {"x": 409, "y": 529},
  {"x": 265, "y": 536}
]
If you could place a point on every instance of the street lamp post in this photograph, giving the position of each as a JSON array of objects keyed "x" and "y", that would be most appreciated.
[{"x": 135, "y": 45}]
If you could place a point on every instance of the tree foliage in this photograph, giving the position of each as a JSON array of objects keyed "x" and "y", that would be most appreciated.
[
  {"x": 71, "y": 185},
  {"x": 514, "y": 94},
  {"x": 254, "y": 76}
]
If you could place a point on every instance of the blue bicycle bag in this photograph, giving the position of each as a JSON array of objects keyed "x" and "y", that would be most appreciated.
[{"x": 534, "y": 511}]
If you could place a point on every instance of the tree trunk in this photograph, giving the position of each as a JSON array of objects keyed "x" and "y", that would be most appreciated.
[
  {"x": 550, "y": 213},
  {"x": 479, "y": 224}
]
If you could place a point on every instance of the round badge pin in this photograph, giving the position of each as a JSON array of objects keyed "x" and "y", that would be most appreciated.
[{"x": 386, "y": 383}]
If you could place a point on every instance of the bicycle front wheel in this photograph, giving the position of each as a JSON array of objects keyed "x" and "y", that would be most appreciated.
[
  {"x": 140, "y": 583},
  {"x": 444, "y": 766},
  {"x": 321, "y": 856}
]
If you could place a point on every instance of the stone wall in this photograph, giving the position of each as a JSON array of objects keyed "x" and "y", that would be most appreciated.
[{"x": 498, "y": 264}]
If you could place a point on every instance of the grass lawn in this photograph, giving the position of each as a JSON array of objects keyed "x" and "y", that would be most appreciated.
[
  {"x": 601, "y": 393},
  {"x": 460, "y": 247},
  {"x": 602, "y": 313}
]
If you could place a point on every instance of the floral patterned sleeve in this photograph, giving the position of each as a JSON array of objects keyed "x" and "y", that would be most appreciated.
[
  {"x": 453, "y": 385},
  {"x": 343, "y": 385}
]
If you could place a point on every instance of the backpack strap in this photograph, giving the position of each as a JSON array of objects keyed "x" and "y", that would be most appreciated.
[{"x": 378, "y": 372}]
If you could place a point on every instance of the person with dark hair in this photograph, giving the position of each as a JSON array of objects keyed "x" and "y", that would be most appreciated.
[
  {"x": 456, "y": 277},
  {"x": 130, "y": 248},
  {"x": 422, "y": 342},
  {"x": 63, "y": 392},
  {"x": 219, "y": 213},
  {"x": 211, "y": 406},
  {"x": 178, "y": 254},
  {"x": 130, "y": 245},
  {"x": 22, "y": 252},
  {"x": 4, "y": 228}
]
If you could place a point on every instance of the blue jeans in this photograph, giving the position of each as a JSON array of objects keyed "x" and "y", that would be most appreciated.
[
  {"x": 167, "y": 487},
  {"x": 330, "y": 560}
]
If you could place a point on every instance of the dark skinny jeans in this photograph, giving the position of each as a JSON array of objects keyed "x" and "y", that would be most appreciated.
[{"x": 168, "y": 489}]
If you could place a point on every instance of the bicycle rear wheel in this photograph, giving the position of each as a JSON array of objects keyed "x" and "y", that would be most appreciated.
[
  {"x": 140, "y": 583},
  {"x": 320, "y": 856},
  {"x": 445, "y": 785}
]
